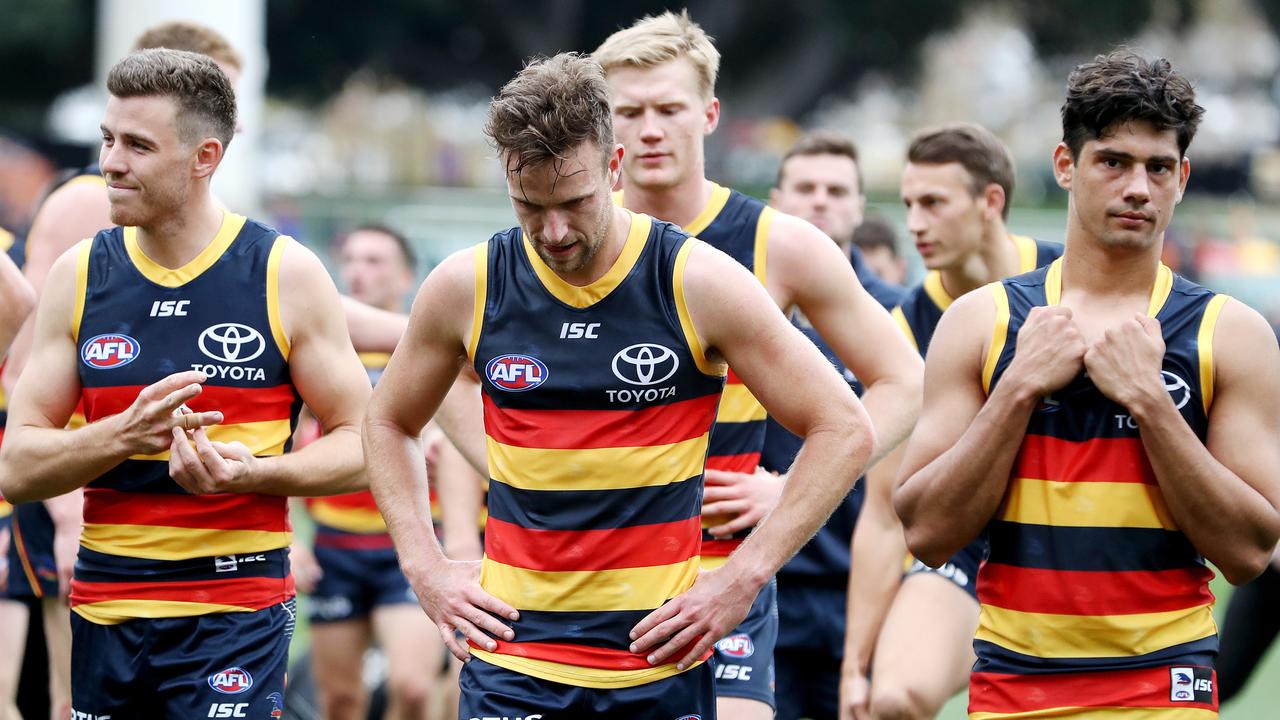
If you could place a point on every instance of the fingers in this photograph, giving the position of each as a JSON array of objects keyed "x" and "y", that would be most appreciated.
[
  {"x": 459, "y": 649},
  {"x": 643, "y": 633},
  {"x": 719, "y": 477},
  {"x": 700, "y": 648},
  {"x": 172, "y": 383},
  {"x": 193, "y": 420},
  {"x": 725, "y": 507},
  {"x": 473, "y": 633},
  {"x": 739, "y": 522},
  {"x": 478, "y": 618},
  {"x": 712, "y": 493},
  {"x": 185, "y": 466},
  {"x": 491, "y": 604}
]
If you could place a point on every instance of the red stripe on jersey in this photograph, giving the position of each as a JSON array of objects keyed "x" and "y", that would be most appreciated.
[
  {"x": 248, "y": 593},
  {"x": 361, "y": 499},
  {"x": 238, "y": 405},
  {"x": 353, "y": 541},
  {"x": 732, "y": 378},
  {"x": 1097, "y": 460},
  {"x": 590, "y": 429},
  {"x": 1145, "y": 687},
  {"x": 720, "y": 548},
  {"x": 228, "y": 511},
  {"x": 573, "y": 550},
  {"x": 743, "y": 462},
  {"x": 585, "y": 655},
  {"x": 1076, "y": 592}
]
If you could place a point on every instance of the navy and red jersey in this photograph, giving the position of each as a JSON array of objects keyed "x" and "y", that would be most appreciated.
[
  {"x": 150, "y": 549},
  {"x": 919, "y": 313},
  {"x": 598, "y": 404},
  {"x": 1092, "y": 597}
]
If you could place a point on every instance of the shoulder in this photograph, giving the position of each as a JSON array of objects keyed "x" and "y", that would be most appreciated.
[{"x": 1241, "y": 330}]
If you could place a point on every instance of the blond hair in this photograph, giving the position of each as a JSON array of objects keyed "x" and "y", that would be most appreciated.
[
  {"x": 192, "y": 37},
  {"x": 656, "y": 39}
]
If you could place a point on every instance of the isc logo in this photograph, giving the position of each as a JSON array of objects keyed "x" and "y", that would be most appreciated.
[
  {"x": 231, "y": 681},
  {"x": 516, "y": 373},
  {"x": 228, "y": 710},
  {"x": 110, "y": 351},
  {"x": 739, "y": 646},
  {"x": 578, "y": 331},
  {"x": 169, "y": 308}
]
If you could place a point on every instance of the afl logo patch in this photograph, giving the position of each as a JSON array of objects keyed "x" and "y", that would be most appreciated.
[
  {"x": 516, "y": 373},
  {"x": 106, "y": 352},
  {"x": 231, "y": 681},
  {"x": 739, "y": 646}
]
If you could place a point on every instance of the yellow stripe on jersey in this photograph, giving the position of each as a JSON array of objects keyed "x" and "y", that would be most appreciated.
[
  {"x": 1160, "y": 291},
  {"x": 89, "y": 179},
  {"x": 114, "y": 612},
  {"x": 6, "y": 240},
  {"x": 82, "y": 285},
  {"x": 480, "y": 260},
  {"x": 934, "y": 288},
  {"x": 1204, "y": 345},
  {"x": 356, "y": 520},
  {"x": 264, "y": 439},
  {"x": 273, "y": 293},
  {"x": 905, "y": 326},
  {"x": 614, "y": 468},
  {"x": 686, "y": 320},
  {"x": 5, "y": 509},
  {"x": 578, "y": 675},
  {"x": 642, "y": 588},
  {"x": 760, "y": 258},
  {"x": 374, "y": 360},
  {"x": 1046, "y": 635},
  {"x": 738, "y": 405},
  {"x": 1086, "y": 504},
  {"x": 711, "y": 562},
  {"x": 177, "y": 277},
  {"x": 999, "y": 334},
  {"x": 161, "y": 542},
  {"x": 1108, "y": 713},
  {"x": 588, "y": 295},
  {"x": 715, "y": 203}
]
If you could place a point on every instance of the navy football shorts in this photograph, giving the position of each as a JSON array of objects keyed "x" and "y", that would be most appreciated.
[
  {"x": 225, "y": 665},
  {"x": 489, "y": 691},
  {"x": 961, "y": 569},
  {"x": 354, "y": 582},
  {"x": 33, "y": 572},
  {"x": 743, "y": 659}
]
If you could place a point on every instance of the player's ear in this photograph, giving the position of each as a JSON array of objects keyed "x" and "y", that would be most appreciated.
[
  {"x": 208, "y": 155},
  {"x": 1064, "y": 165}
]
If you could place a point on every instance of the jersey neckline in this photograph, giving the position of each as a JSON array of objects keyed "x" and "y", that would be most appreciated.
[
  {"x": 177, "y": 277},
  {"x": 587, "y": 295}
]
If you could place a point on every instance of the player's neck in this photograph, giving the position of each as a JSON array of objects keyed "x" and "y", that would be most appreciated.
[
  {"x": 996, "y": 260},
  {"x": 1117, "y": 274},
  {"x": 679, "y": 204},
  {"x": 177, "y": 238}
]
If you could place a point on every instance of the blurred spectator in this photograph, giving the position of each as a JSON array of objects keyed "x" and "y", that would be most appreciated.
[{"x": 876, "y": 238}]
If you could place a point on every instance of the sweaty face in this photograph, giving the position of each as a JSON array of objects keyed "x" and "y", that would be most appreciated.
[
  {"x": 660, "y": 117},
  {"x": 374, "y": 270},
  {"x": 943, "y": 216},
  {"x": 1126, "y": 184},
  {"x": 822, "y": 189},
  {"x": 147, "y": 167},
  {"x": 564, "y": 206}
]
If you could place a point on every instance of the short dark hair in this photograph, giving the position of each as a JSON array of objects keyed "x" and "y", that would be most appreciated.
[
  {"x": 406, "y": 250},
  {"x": 550, "y": 108},
  {"x": 206, "y": 103},
  {"x": 1123, "y": 86},
  {"x": 876, "y": 232},
  {"x": 983, "y": 156},
  {"x": 822, "y": 142},
  {"x": 192, "y": 37}
]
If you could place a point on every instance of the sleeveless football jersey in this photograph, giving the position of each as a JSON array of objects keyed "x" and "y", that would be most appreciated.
[
  {"x": 919, "y": 313},
  {"x": 1091, "y": 596},
  {"x": 149, "y": 549},
  {"x": 598, "y": 403}
]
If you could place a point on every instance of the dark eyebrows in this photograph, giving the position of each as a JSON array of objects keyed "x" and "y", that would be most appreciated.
[{"x": 1109, "y": 154}]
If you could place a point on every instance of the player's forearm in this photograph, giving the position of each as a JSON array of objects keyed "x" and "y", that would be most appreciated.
[
  {"x": 398, "y": 479},
  {"x": 67, "y": 511},
  {"x": 461, "y": 495},
  {"x": 461, "y": 417},
  {"x": 332, "y": 464},
  {"x": 893, "y": 404},
  {"x": 946, "y": 504},
  {"x": 832, "y": 458},
  {"x": 875, "y": 572},
  {"x": 17, "y": 300},
  {"x": 372, "y": 329},
  {"x": 1230, "y": 523},
  {"x": 39, "y": 463}
]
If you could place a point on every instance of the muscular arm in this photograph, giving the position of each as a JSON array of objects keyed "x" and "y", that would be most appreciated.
[
  {"x": 461, "y": 492},
  {"x": 809, "y": 270},
  {"x": 1224, "y": 494},
  {"x": 17, "y": 299},
  {"x": 372, "y": 329},
  {"x": 329, "y": 378}
]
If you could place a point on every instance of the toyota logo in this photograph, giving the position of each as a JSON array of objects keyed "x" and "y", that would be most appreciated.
[
  {"x": 232, "y": 342},
  {"x": 645, "y": 364},
  {"x": 1177, "y": 387}
]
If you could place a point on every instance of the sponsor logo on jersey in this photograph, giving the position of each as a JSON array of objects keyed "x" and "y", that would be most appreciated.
[
  {"x": 232, "y": 681},
  {"x": 739, "y": 646},
  {"x": 645, "y": 364},
  {"x": 1191, "y": 684},
  {"x": 231, "y": 342},
  {"x": 516, "y": 373},
  {"x": 689, "y": 717},
  {"x": 1178, "y": 388},
  {"x": 277, "y": 704},
  {"x": 106, "y": 352}
]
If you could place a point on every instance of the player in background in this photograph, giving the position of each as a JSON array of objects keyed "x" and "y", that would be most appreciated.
[
  {"x": 1109, "y": 426},
  {"x": 661, "y": 73},
  {"x": 957, "y": 188},
  {"x": 876, "y": 239}
]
